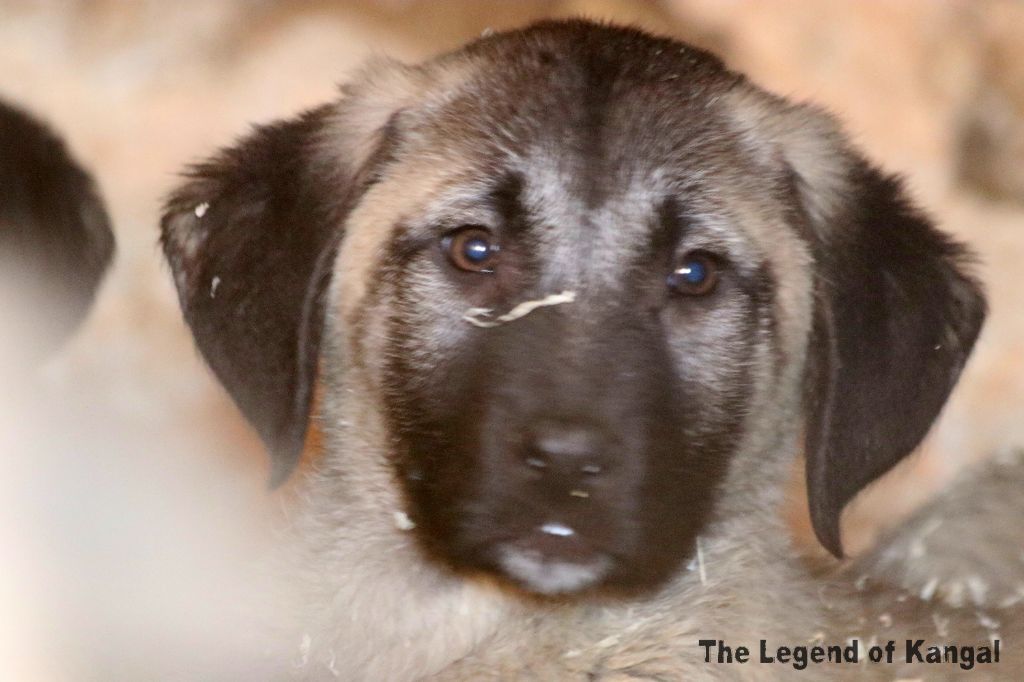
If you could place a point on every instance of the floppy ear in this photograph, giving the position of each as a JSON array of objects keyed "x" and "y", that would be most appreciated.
[
  {"x": 252, "y": 236},
  {"x": 251, "y": 239},
  {"x": 895, "y": 320},
  {"x": 246, "y": 237}
]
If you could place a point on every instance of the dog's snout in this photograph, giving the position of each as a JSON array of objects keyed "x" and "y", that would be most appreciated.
[{"x": 571, "y": 451}]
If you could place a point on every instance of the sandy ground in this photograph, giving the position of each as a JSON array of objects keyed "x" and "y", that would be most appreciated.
[{"x": 934, "y": 90}]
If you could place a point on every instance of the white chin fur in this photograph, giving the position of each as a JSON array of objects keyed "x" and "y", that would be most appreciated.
[{"x": 549, "y": 576}]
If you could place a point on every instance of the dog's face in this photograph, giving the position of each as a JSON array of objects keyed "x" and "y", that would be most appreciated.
[
  {"x": 578, "y": 270},
  {"x": 585, "y": 440}
]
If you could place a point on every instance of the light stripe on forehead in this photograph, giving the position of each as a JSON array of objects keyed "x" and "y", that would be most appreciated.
[{"x": 582, "y": 242}]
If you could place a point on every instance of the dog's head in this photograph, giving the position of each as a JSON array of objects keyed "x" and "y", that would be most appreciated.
[{"x": 577, "y": 270}]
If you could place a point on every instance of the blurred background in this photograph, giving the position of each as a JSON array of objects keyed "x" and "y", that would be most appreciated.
[{"x": 931, "y": 89}]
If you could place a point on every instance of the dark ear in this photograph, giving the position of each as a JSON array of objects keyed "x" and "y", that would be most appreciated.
[
  {"x": 252, "y": 236},
  {"x": 55, "y": 237},
  {"x": 896, "y": 317},
  {"x": 250, "y": 239},
  {"x": 895, "y": 313}
]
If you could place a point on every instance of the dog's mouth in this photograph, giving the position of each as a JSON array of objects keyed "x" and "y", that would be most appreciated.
[{"x": 552, "y": 558}]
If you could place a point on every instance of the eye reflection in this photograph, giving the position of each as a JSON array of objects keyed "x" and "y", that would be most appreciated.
[
  {"x": 696, "y": 275},
  {"x": 471, "y": 248}
]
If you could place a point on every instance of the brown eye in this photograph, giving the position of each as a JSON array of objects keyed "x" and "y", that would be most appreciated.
[
  {"x": 696, "y": 275},
  {"x": 471, "y": 248}
]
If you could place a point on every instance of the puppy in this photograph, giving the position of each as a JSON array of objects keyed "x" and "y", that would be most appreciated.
[
  {"x": 555, "y": 313},
  {"x": 55, "y": 238}
]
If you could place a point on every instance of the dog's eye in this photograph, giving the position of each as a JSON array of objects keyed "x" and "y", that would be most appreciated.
[
  {"x": 696, "y": 275},
  {"x": 471, "y": 248}
]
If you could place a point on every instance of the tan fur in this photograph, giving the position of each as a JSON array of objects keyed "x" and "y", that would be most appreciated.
[
  {"x": 805, "y": 136},
  {"x": 366, "y": 586},
  {"x": 404, "y": 193}
]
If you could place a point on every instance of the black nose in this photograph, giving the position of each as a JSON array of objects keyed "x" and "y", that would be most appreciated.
[{"x": 567, "y": 450}]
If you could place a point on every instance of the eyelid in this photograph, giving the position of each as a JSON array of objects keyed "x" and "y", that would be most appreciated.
[
  {"x": 716, "y": 237},
  {"x": 721, "y": 262},
  {"x": 451, "y": 233},
  {"x": 701, "y": 252},
  {"x": 451, "y": 228}
]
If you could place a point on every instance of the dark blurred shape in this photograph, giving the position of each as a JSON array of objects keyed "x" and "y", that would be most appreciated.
[{"x": 55, "y": 240}]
